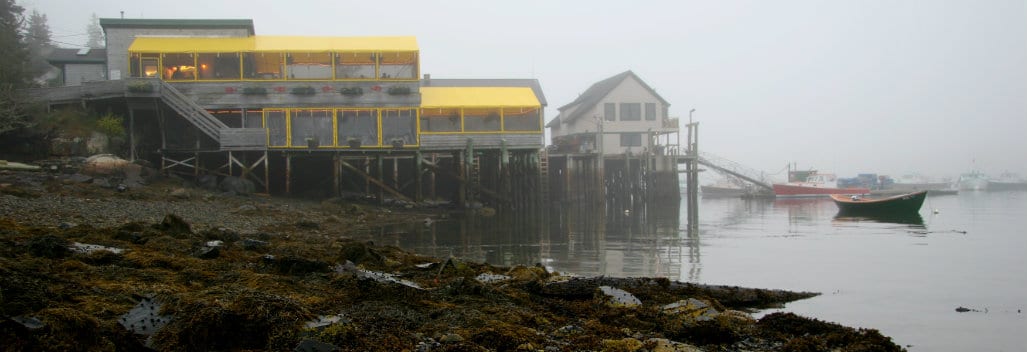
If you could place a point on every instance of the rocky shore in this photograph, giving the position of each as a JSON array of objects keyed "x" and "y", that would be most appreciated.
[{"x": 135, "y": 261}]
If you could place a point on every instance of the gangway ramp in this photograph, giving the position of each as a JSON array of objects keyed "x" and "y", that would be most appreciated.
[{"x": 732, "y": 168}]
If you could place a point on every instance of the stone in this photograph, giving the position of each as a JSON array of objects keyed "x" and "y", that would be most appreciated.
[
  {"x": 85, "y": 248},
  {"x": 451, "y": 338},
  {"x": 237, "y": 186},
  {"x": 173, "y": 224},
  {"x": 180, "y": 193},
  {"x": 104, "y": 165},
  {"x": 30, "y": 323},
  {"x": 79, "y": 178},
  {"x": 207, "y": 252},
  {"x": 616, "y": 298},
  {"x": 252, "y": 244},
  {"x": 622, "y": 345},
  {"x": 145, "y": 317},
  {"x": 665, "y": 345}
]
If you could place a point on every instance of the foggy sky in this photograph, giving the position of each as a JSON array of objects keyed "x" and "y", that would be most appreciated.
[{"x": 883, "y": 86}]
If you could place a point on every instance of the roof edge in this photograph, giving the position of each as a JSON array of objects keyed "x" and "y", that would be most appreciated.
[{"x": 177, "y": 23}]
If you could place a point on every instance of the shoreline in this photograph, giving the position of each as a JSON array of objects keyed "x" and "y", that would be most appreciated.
[{"x": 264, "y": 273}]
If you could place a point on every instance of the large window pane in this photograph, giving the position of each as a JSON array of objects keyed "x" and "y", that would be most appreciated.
[
  {"x": 650, "y": 111},
  {"x": 399, "y": 126},
  {"x": 398, "y": 65},
  {"x": 610, "y": 111},
  {"x": 276, "y": 127},
  {"x": 231, "y": 118},
  {"x": 521, "y": 119},
  {"x": 263, "y": 65},
  {"x": 478, "y": 120},
  {"x": 219, "y": 66},
  {"x": 150, "y": 66},
  {"x": 254, "y": 118},
  {"x": 358, "y": 127},
  {"x": 631, "y": 139},
  {"x": 630, "y": 112},
  {"x": 313, "y": 124},
  {"x": 133, "y": 66},
  {"x": 309, "y": 65},
  {"x": 440, "y": 120},
  {"x": 178, "y": 67},
  {"x": 354, "y": 65}
]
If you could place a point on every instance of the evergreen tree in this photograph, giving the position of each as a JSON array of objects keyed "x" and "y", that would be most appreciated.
[
  {"x": 14, "y": 68},
  {"x": 95, "y": 33},
  {"x": 38, "y": 38}
]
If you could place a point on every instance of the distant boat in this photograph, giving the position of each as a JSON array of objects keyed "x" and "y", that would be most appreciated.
[
  {"x": 973, "y": 181},
  {"x": 896, "y": 205},
  {"x": 814, "y": 185},
  {"x": 915, "y": 182},
  {"x": 723, "y": 188},
  {"x": 1007, "y": 182}
]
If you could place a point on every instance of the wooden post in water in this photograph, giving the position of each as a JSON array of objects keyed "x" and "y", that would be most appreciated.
[
  {"x": 336, "y": 174},
  {"x": 379, "y": 160},
  {"x": 418, "y": 178},
  {"x": 288, "y": 174}
]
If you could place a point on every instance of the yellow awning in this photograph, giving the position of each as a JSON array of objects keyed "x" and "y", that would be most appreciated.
[
  {"x": 271, "y": 44},
  {"x": 477, "y": 97}
]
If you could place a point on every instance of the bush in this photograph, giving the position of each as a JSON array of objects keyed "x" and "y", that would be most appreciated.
[{"x": 111, "y": 125}]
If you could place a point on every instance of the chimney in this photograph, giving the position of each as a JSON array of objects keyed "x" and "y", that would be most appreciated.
[
  {"x": 427, "y": 79},
  {"x": 122, "y": 14}
]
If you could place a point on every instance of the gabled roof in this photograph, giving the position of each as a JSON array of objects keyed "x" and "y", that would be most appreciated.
[
  {"x": 501, "y": 82},
  {"x": 61, "y": 56},
  {"x": 246, "y": 24},
  {"x": 596, "y": 93}
]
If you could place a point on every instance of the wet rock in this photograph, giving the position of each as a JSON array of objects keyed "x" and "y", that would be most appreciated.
[
  {"x": 104, "y": 165},
  {"x": 488, "y": 278},
  {"x": 308, "y": 345},
  {"x": 451, "y": 338},
  {"x": 207, "y": 252},
  {"x": 665, "y": 345},
  {"x": 79, "y": 178},
  {"x": 85, "y": 248},
  {"x": 30, "y": 323},
  {"x": 326, "y": 320},
  {"x": 179, "y": 193},
  {"x": 101, "y": 182},
  {"x": 622, "y": 345},
  {"x": 522, "y": 273},
  {"x": 568, "y": 330},
  {"x": 174, "y": 225},
  {"x": 220, "y": 234},
  {"x": 691, "y": 311},
  {"x": 65, "y": 225},
  {"x": 207, "y": 182},
  {"x": 361, "y": 253},
  {"x": 48, "y": 246},
  {"x": 292, "y": 265},
  {"x": 253, "y": 245},
  {"x": 237, "y": 186},
  {"x": 616, "y": 298}
]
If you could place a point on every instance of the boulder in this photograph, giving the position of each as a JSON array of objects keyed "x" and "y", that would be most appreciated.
[
  {"x": 104, "y": 165},
  {"x": 237, "y": 186}
]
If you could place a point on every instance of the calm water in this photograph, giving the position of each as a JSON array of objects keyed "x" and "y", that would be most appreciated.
[{"x": 905, "y": 279}]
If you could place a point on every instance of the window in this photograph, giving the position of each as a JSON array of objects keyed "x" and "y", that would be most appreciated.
[
  {"x": 358, "y": 127},
  {"x": 520, "y": 119},
  {"x": 232, "y": 118},
  {"x": 263, "y": 65},
  {"x": 630, "y": 112},
  {"x": 253, "y": 118},
  {"x": 440, "y": 120},
  {"x": 219, "y": 66},
  {"x": 276, "y": 127},
  {"x": 314, "y": 124},
  {"x": 630, "y": 139},
  {"x": 398, "y": 126},
  {"x": 481, "y": 120},
  {"x": 610, "y": 111},
  {"x": 179, "y": 67},
  {"x": 650, "y": 111},
  {"x": 309, "y": 65},
  {"x": 398, "y": 65},
  {"x": 354, "y": 65}
]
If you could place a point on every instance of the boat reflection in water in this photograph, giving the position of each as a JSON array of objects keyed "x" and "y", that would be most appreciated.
[{"x": 913, "y": 220}]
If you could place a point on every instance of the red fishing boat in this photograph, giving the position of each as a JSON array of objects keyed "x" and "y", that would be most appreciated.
[{"x": 813, "y": 184}]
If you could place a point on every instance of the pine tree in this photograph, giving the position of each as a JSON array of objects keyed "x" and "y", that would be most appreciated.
[
  {"x": 40, "y": 44},
  {"x": 95, "y": 33},
  {"x": 14, "y": 68},
  {"x": 13, "y": 51}
]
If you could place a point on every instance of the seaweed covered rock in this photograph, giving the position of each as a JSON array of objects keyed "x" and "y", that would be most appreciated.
[{"x": 49, "y": 246}]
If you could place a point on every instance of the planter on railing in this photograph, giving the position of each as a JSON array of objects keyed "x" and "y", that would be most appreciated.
[
  {"x": 254, "y": 91},
  {"x": 140, "y": 87},
  {"x": 351, "y": 91},
  {"x": 305, "y": 90}
]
